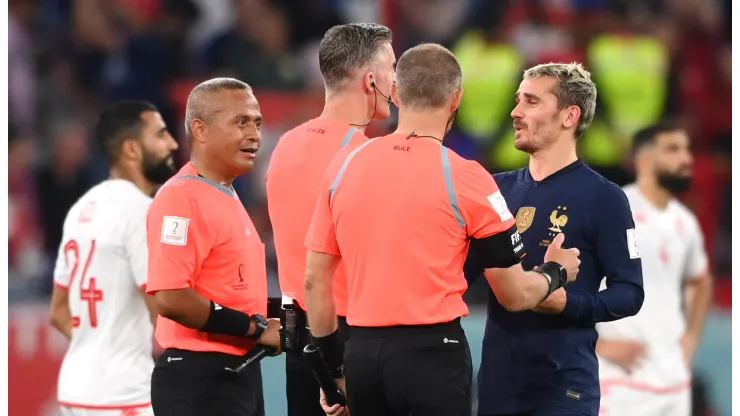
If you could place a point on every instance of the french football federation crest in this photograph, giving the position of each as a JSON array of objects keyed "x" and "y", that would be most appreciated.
[{"x": 524, "y": 218}]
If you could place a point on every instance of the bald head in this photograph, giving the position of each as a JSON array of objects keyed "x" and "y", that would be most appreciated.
[
  {"x": 427, "y": 76},
  {"x": 202, "y": 103}
]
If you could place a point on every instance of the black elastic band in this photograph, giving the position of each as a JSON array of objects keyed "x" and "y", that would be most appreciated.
[
  {"x": 551, "y": 270},
  {"x": 332, "y": 348},
  {"x": 227, "y": 321}
]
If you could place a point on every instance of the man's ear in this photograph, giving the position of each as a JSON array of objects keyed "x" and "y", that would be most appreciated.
[
  {"x": 197, "y": 130},
  {"x": 456, "y": 100},
  {"x": 572, "y": 115},
  {"x": 131, "y": 150},
  {"x": 368, "y": 82},
  {"x": 394, "y": 94}
]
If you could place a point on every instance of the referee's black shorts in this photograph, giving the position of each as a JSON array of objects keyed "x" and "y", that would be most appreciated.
[
  {"x": 194, "y": 383},
  {"x": 301, "y": 387},
  {"x": 401, "y": 370}
]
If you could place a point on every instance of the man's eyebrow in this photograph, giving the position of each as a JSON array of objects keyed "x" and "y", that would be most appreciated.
[
  {"x": 256, "y": 118},
  {"x": 530, "y": 96}
]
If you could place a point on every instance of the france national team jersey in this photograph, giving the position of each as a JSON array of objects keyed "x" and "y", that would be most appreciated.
[{"x": 533, "y": 359}]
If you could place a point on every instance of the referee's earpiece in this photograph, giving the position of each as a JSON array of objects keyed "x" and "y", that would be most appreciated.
[{"x": 387, "y": 98}]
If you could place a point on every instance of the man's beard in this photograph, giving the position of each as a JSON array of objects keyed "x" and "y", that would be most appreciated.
[
  {"x": 673, "y": 183},
  {"x": 157, "y": 171}
]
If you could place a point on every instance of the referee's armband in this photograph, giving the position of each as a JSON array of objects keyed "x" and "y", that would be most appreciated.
[
  {"x": 500, "y": 251},
  {"x": 227, "y": 321}
]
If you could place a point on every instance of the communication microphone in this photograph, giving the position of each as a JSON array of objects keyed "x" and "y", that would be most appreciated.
[
  {"x": 323, "y": 376},
  {"x": 388, "y": 98}
]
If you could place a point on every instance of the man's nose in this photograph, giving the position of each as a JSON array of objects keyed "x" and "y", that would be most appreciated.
[
  {"x": 173, "y": 143},
  {"x": 516, "y": 113}
]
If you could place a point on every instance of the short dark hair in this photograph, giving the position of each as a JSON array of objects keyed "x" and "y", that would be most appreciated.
[
  {"x": 346, "y": 48},
  {"x": 427, "y": 75},
  {"x": 646, "y": 136},
  {"x": 198, "y": 105},
  {"x": 119, "y": 122}
]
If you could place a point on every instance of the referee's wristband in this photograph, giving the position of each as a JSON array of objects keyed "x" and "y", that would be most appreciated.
[
  {"x": 332, "y": 348},
  {"x": 555, "y": 273},
  {"x": 227, "y": 321}
]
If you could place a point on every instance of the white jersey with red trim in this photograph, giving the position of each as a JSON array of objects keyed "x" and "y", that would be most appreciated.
[
  {"x": 672, "y": 249},
  {"x": 102, "y": 262}
]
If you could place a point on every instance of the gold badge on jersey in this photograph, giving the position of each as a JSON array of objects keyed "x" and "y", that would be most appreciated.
[
  {"x": 558, "y": 221},
  {"x": 524, "y": 218}
]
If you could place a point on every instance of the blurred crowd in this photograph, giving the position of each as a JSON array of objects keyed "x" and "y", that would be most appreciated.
[{"x": 651, "y": 59}]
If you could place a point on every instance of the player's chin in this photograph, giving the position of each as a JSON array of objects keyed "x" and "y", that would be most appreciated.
[
  {"x": 245, "y": 161},
  {"x": 522, "y": 143}
]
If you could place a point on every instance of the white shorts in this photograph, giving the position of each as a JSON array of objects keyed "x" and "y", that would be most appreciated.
[
  {"x": 627, "y": 400},
  {"x": 79, "y": 411}
]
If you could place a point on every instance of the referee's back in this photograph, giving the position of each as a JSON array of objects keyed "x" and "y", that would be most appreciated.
[{"x": 403, "y": 208}]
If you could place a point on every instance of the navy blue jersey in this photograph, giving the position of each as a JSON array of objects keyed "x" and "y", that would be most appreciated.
[{"x": 533, "y": 359}]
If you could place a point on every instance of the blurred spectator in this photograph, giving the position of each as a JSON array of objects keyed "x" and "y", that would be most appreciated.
[
  {"x": 428, "y": 21},
  {"x": 21, "y": 65},
  {"x": 25, "y": 239},
  {"x": 63, "y": 181},
  {"x": 256, "y": 48}
]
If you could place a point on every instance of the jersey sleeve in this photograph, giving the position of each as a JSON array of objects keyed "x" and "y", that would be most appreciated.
[
  {"x": 321, "y": 236},
  {"x": 136, "y": 244},
  {"x": 482, "y": 205},
  {"x": 618, "y": 254},
  {"x": 62, "y": 271},
  {"x": 696, "y": 259},
  {"x": 178, "y": 239}
]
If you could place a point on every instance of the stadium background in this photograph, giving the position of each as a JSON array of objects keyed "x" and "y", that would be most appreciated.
[{"x": 67, "y": 58}]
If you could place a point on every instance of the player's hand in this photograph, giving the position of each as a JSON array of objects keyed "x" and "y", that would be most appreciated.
[
  {"x": 271, "y": 336},
  {"x": 566, "y": 257},
  {"x": 688, "y": 346},
  {"x": 626, "y": 353},
  {"x": 555, "y": 303},
  {"x": 335, "y": 410}
]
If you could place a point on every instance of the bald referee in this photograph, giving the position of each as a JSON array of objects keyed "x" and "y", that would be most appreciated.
[{"x": 401, "y": 211}]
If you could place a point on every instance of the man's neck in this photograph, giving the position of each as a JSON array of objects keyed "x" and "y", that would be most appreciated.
[
  {"x": 211, "y": 172},
  {"x": 347, "y": 107},
  {"x": 134, "y": 176},
  {"x": 653, "y": 192},
  {"x": 431, "y": 124},
  {"x": 545, "y": 162}
]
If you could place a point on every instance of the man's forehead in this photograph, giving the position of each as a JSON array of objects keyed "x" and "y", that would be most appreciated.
[
  {"x": 669, "y": 138},
  {"x": 538, "y": 86},
  {"x": 241, "y": 101},
  {"x": 152, "y": 118}
]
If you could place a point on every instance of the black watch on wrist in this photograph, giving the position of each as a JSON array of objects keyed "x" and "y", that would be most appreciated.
[{"x": 260, "y": 324}]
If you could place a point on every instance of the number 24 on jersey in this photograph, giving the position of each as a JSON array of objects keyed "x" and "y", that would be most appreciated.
[{"x": 90, "y": 294}]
